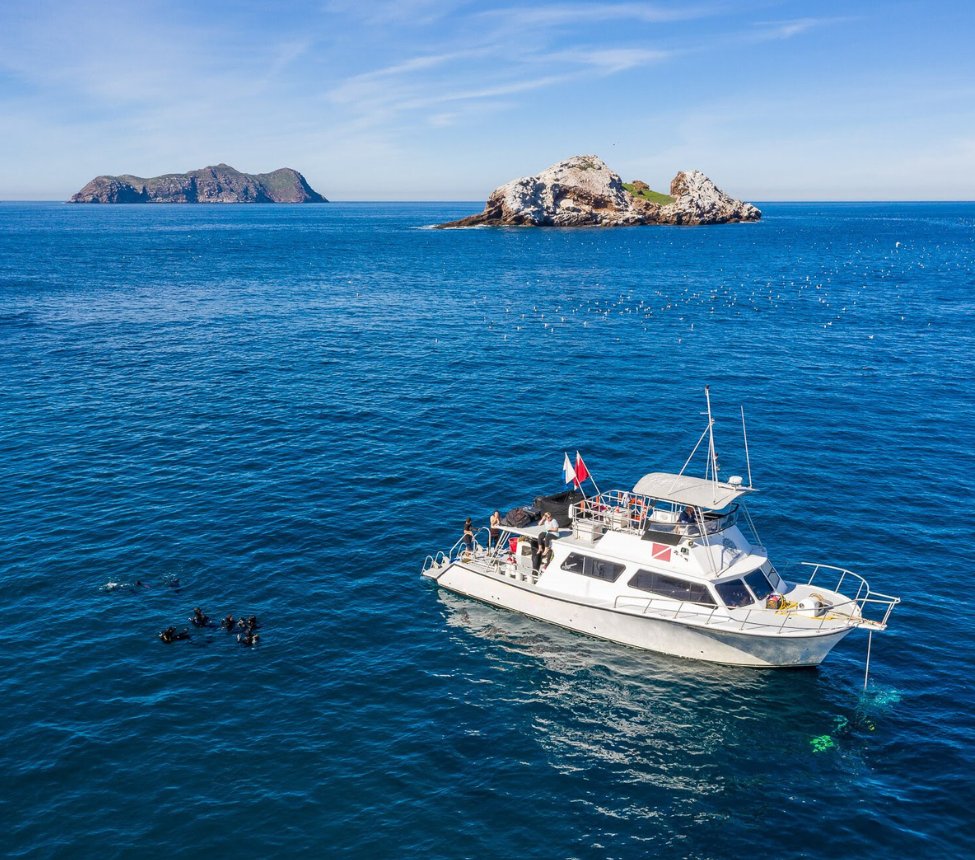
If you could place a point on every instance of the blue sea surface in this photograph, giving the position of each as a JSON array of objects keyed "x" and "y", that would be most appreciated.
[{"x": 281, "y": 411}]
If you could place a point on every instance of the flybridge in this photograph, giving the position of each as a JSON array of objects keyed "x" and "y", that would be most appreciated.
[
  {"x": 647, "y": 514},
  {"x": 687, "y": 490}
]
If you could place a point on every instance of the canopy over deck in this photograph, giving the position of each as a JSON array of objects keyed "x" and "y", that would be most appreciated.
[{"x": 685, "y": 490}]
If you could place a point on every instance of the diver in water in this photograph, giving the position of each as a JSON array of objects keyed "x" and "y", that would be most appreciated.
[
  {"x": 228, "y": 623},
  {"x": 252, "y": 623},
  {"x": 199, "y": 619},
  {"x": 249, "y": 638},
  {"x": 170, "y": 635}
]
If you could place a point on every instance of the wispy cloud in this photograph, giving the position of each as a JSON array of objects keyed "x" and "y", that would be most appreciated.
[
  {"x": 772, "y": 30},
  {"x": 514, "y": 66},
  {"x": 378, "y": 82},
  {"x": 612, "y": 60},
  {"x": 414, "y": 13},
  {"x": 581, "y": 13}
]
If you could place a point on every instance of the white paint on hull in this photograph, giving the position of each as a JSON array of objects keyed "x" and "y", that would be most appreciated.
[{"x": 710, "y": 643}]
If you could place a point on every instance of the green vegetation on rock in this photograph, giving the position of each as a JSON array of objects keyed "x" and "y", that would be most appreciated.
[{"x": 636, "y": 188}]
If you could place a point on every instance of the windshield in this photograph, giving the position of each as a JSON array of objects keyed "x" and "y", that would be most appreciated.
[
  {"x": 734, "y": 593},
  {"x": 759, "y": 584}
]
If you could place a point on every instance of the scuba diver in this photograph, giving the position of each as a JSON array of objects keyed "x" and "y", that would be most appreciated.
[
  {"x": 199, "y": 619},
  {"x": 247, "y": 625},
  {"x": 170, "y": 635},
  {"x": 228, "y": 623},
  {"x": 249, "y": 638}
]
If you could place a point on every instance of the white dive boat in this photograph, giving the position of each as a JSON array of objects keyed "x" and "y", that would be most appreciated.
[{"x": 668, "y": 567}]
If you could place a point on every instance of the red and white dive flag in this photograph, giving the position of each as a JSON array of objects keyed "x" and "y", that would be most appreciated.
[
  {"x": 582, "y": 473},
  {"x": 568, "y": 471},
  {"x": 660, "y": 551}
]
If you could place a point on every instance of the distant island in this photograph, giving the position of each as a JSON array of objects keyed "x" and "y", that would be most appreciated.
[
  {"x": 218, "y": 184},
  {"x": 583, "y": 192}
]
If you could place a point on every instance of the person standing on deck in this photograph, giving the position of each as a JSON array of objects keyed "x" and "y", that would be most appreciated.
[{"x": 494, "y": 534}]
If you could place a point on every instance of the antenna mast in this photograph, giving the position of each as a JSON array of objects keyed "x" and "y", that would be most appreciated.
[
  {"x": 712, "y": 454},
  {"x": 744, "y": 433}
]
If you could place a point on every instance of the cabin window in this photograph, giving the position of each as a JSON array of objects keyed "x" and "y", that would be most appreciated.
[
  {"x": 734, "y": 593},
  {"x": 669, "y": 586},
  {"x": 759, "y": 584},
  {"x": 778, "y": 583},
  {"x": 597, "y": 568}
]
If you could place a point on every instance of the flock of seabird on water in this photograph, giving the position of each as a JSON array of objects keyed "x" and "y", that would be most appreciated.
[{"x": 830, "y": 296}]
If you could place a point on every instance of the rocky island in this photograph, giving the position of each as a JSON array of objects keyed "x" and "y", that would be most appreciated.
[
  {"x": 218, "y": 184},
  {"x": 583, "y": 192}
]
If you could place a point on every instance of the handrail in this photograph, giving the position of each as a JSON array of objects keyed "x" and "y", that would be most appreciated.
[
  {"x": 863, "y": 596},
  {"x": 455, "y": 551},
  {"x": 850, "y": 611},
  {"x": 624, "y": 511}
]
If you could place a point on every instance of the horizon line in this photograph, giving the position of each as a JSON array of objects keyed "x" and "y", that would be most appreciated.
[{"x": 473, "y": 202}]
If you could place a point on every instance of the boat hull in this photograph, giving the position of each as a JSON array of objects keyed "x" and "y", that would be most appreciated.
[{"x": 646, "y": 632}]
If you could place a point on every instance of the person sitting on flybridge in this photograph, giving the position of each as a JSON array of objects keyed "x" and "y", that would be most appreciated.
[
  {"x": 548, "y": 523},
  {"x": 545, "y": 557},
  {"x": 688, "y": 518}
]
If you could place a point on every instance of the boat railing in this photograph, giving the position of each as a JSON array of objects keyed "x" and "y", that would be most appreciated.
[
  {"x": 440, "y": 559},
  {"x": 498, "y": 558},
  {"x": 615, "y": 510},
  {"x": 477, "y": 548},
  {"x": 620, "y": 510},
  {"x": 712, "y": 523},
  {"x": 834, "y": 578},
  {"x": 866, "y": 608},
  {"x": 480, "y": 554}
]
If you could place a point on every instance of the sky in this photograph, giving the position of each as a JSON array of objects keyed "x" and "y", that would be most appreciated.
[{"x": 447, "y": 99}]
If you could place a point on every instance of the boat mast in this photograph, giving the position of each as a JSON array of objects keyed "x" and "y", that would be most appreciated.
[
  {"x": 744, "y": 434},
  {"x": 712, "y": 454}
]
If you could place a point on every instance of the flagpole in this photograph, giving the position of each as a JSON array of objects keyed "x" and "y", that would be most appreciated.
[{"x": 588, "y": 473}]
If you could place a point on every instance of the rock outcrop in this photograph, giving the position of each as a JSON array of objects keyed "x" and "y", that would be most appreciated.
[
  {"x": 697, "y": 200},
  {"x": 219, "y": 184},
  {"x": 582, "y": 192}
]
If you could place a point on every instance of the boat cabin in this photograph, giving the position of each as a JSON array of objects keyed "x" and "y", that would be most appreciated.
[{"x": 679, "y": 543}]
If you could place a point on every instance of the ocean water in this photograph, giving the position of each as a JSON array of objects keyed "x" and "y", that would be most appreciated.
[{"x": 281, "y": 411}]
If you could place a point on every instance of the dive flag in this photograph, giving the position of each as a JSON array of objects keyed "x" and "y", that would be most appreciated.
[
  {"x": 568, "y": 471},
  {"x": 660, "y": 551},
  {"x": 582, "y": 473}
]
